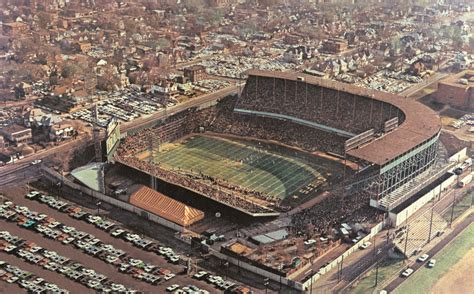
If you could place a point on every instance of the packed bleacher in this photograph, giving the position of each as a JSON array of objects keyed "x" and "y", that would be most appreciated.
[
  {"x": 329, "y": 107},
  {"x": 334, "y": 210},
  {"x": 222, "y": 119},
  {"x": 233, "y": 196}
]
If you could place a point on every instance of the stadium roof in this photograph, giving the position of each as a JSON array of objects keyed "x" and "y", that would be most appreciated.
[
  {"x": 421, "y": 123},
  {"x": 165, "y": 207}
]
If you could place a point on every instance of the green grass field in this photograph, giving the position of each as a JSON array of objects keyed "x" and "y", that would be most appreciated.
[
  {"x": 424, "y": 279},
  {"x": 459, "y": 208},
  {"x": 243, "y": 163},
  {"x": 387, "y": 269}
]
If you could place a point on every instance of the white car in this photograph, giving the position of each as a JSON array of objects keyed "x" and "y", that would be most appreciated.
[
  {"x": 407, "y": 272},
  {"x": 432, "y": 263},
  {"x": 168, "y": 277},
  {"x": 309, "y": 242},
  {"x": 200, "y": 275},
  {"x": 365, "y": 245},
  {"x": 172, "y": 288},
  {"x": 37, "y": 161},
  {"x": 423, "y": 258}
]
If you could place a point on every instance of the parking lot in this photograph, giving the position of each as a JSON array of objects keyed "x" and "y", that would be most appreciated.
[{"x": 118, "y": 257}]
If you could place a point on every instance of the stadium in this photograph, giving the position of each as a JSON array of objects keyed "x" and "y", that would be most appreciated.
[{"x": 289, "y": 138}]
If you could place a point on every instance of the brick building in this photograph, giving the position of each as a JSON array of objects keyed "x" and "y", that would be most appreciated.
[
  {"x": 195, "y": 73},
  {"x": 334, "y": 45},
  {"x": 457, "y": 90}
]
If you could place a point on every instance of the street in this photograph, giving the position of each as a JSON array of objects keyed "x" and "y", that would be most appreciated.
[{"x": 438, "y": 247}]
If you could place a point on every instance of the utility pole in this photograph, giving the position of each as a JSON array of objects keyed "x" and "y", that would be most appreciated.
[
  {"x": 406, "y": 242},
  {"x": 452, "y": 210},
  {"x": 431, "y": 223},
  {"x": 98, "y": 207},
  {"x": 376, "y": 273},
  {"x": 340, "y": 272},
  {"x": 266, "y": 283}
]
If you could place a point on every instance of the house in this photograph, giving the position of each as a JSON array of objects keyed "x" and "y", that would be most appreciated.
[
  {"x": 85, "y": 47},
  {"x": 17, "y": 135},
  {"x": 14, "y": 28},
  {"x": 61, "y": 131}
]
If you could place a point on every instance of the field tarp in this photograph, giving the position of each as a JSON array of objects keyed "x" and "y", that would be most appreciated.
[{"x": 165, "y": 207}]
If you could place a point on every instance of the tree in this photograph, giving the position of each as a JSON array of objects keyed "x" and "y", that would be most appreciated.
[
  {"x": 69, "y": 70},
  {"x": 44, "y": 20}
]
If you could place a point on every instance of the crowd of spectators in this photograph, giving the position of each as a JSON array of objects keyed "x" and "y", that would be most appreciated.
[
  {"x": 338, "y": 208},
  {"x": 222, "y": 119},
  {"x": 326, "y": 106},
  {"x": 219, "y": 191}
]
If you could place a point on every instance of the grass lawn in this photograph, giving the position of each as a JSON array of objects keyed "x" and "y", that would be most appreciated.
[
  {"x": 459, "y": 208},
  {"x": 242, "y": 163},
  {"x": 424, "y": 279},
  {"x": 387, "y": 269}
]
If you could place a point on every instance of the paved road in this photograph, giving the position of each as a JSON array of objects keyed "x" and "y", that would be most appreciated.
[
  {"x": 412, "y": 90},
  {"x": 19, "y": 172},
  {"x": 438, "y": 247}
]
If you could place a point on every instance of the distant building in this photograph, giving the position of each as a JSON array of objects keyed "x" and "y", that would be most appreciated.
[
  {"x": 85, "y": 47},
  {"x": 195, "y": 73},
  {"x": 13, "y": 28},
  {"x": 219, "y": 3},
  {"x": 457, "y": 90},
  {"x": 334, "y": 45},
  {"x": 17, "y": 134},
  {"x": 61, "y": 131}
]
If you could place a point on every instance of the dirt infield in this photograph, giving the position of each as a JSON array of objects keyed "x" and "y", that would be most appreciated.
[{"x": 458, "y": 279}]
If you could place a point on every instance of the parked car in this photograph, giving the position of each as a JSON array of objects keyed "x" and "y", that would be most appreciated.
[
  {"x": 172, "y": 288},
  {"x": 423, "y": 258},
  {"x": 432, "y": 263},
  {"x": 407, "y": 272},
  {"x": 365, "y": 245}
]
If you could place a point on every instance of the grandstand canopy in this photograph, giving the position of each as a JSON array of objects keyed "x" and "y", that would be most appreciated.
[{"x": 164, "y": 206}]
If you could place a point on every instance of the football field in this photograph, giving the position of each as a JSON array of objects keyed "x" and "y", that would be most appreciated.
[{"x": 277, "y": 173}]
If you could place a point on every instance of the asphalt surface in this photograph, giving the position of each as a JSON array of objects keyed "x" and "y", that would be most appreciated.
[
  {"x": 438, "y": 247},
  {"x": 100, "y": 266}
]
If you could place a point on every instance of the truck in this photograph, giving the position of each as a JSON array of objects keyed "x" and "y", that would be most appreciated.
[
  {"x": 466, "y": 164},
  {"x": 466, "y": 180}
]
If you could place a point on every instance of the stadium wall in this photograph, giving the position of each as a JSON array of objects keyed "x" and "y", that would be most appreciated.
[
  {"x": 259, "y": 271},
  {"x": 123, "y": 205},
  {"x": 311, "y": 280},
  {"x": 397, "y": 217}
]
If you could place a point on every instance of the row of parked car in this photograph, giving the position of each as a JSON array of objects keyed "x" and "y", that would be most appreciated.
[
  {"x": 106, "y": 225},
  {"x": 217, "y": 281},
  {"x": 52, "y": 261},
  {"x": 89, "y": 244},
  {"x": 422, "y": 258},
  {"x": 145, "y": 244},
  {"x": 27, "y": 280}
]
